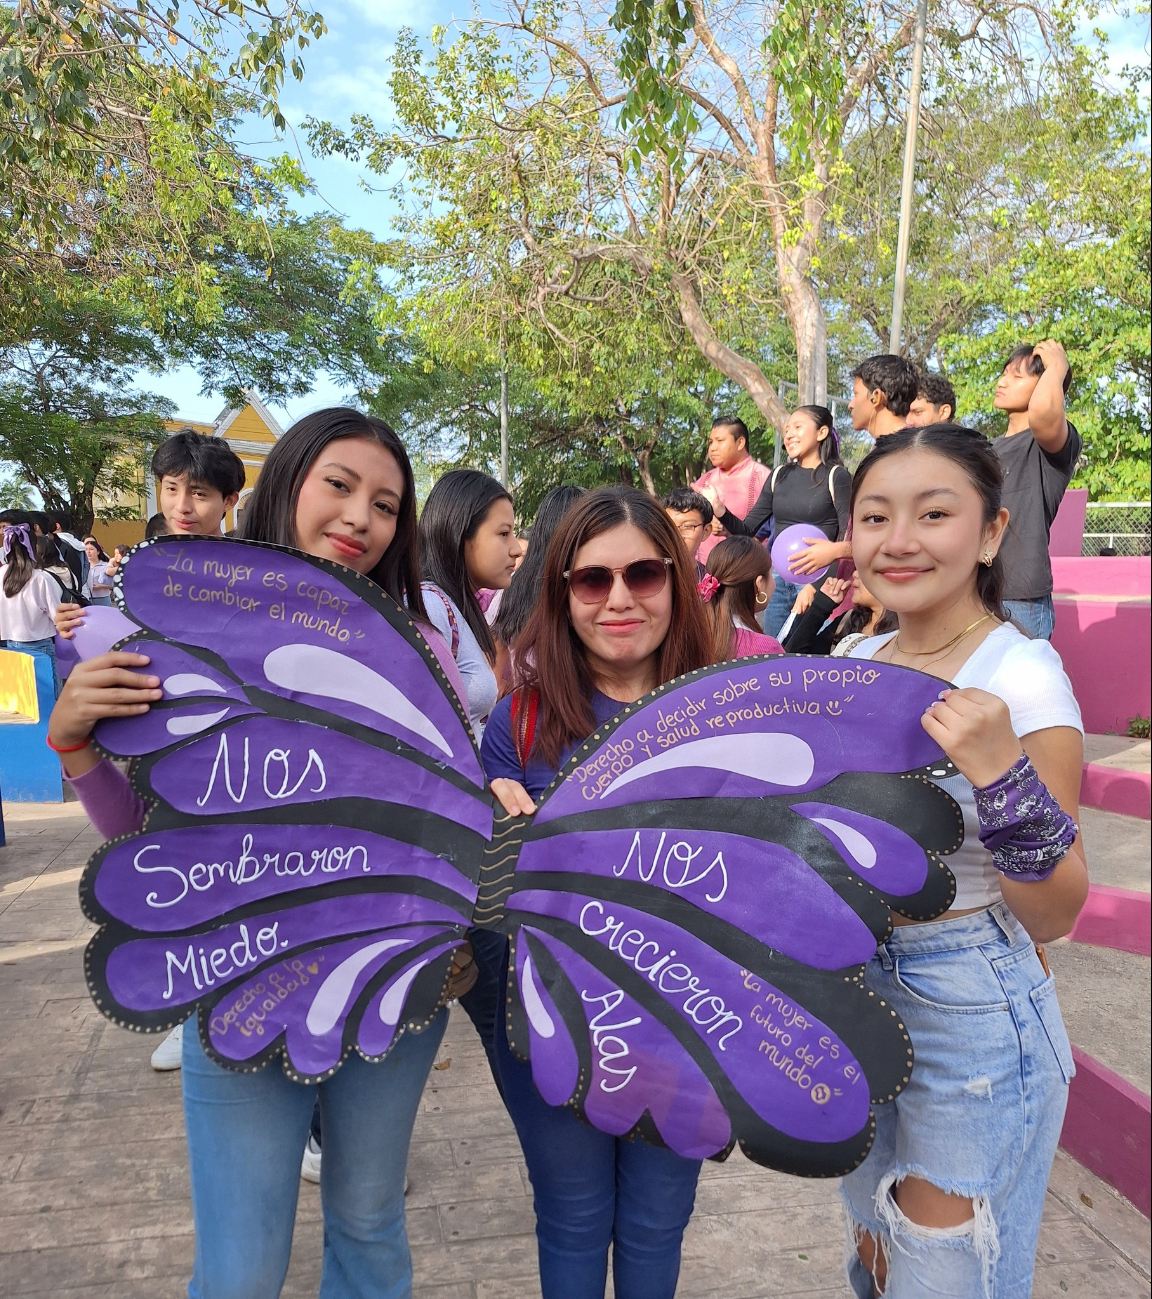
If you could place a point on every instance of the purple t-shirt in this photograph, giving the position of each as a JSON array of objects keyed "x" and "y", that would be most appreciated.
[{"x": 498, "y": 749}]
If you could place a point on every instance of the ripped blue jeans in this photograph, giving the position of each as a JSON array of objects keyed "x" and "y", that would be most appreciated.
[{"x": 980, "y": 1117}]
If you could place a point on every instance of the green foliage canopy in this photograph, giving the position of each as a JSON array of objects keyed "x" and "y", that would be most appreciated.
[{"x": 70, "y": 419}]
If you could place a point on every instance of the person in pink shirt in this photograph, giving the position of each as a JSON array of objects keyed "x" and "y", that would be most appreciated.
[{"x": 735, "y": 476}]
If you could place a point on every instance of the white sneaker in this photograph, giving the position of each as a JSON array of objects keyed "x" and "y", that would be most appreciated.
[
  {"x": 167, "y": 1054},
  {"x": 310, "y": 1164}
]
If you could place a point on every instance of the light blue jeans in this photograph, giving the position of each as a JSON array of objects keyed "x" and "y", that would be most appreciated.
[
  {"x": 1035, "y": 618},
  {"x": 981, "y": 1116},
  {"x": 246, "y": 1134},
  {"x": 780, "y": 606}
]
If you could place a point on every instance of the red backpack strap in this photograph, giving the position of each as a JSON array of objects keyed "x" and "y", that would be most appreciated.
[
  {"x": 525, "y": 705},
  {"x": 429, "y": 589}
]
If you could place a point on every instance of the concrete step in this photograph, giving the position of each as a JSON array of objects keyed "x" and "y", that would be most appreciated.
[
  {"x": 1117, "y": 775},
  {"x": 1102, "y": 979}
]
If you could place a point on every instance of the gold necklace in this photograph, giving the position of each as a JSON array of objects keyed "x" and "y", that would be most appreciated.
[{"x": 919, "y": 654}]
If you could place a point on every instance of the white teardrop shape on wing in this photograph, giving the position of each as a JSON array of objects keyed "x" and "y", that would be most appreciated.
[
  {"x": 182, "y": 725},
  {"x": 392, "y": 1002},
  {"x": 331, "y": 999},
  {"x": 328, "y": 674},
  {"x": 862, "y": 849},
  {"x": 190, "y": 683},
  {"x": 538, "y": 1015},
  {"x": 776, "y": 758}
]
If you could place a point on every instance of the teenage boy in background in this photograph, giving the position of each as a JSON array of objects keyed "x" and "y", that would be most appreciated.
[
  {"x": 1038, "y": 454},
  {"x": 691, "y": 514},
  {"x": 62, "y": 525},
  {"x": 883, "y": 390},
  {"x": 935, "y": 402},
  {"x": 198, "y": 480},
  {"x": 735, "y": 477}
]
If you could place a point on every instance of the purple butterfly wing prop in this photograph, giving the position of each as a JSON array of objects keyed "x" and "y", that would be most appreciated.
[
  {"x": 318, "y": 812},
  {"x": 694, "y": 902}
]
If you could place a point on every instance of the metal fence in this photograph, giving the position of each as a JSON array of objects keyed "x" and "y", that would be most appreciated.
[{"x": 1118, "y": 527}]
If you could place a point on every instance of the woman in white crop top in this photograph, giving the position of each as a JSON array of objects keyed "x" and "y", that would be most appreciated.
[{"x": 950, "y": 1197}]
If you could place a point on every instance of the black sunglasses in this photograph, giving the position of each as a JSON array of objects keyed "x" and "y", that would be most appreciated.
[{"x": 643, "y": 577}]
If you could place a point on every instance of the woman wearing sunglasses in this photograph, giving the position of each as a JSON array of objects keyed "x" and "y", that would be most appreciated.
[{"x": 617, "y": 615}]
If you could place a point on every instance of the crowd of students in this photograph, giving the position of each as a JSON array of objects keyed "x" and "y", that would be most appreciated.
[{"x": 617, "y": 594}]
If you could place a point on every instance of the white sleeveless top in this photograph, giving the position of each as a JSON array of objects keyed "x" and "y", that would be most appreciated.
[{"x": 1029, "y": 677}]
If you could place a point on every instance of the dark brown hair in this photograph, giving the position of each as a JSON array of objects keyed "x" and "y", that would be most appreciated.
[
  {"x": 969, "y": 451},
  {"x": 457, "y": 505},
  {"x": 736, "y": 564},
  {"x": 271, "y": 511},
  {"x": 550, "y": 657},
  {"x": 1032, "y": 363}
]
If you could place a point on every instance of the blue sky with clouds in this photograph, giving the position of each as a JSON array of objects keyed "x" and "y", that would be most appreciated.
[{"x": 346, "y": 73}]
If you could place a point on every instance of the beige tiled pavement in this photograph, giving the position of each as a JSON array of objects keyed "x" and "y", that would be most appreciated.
[{"x": 93, "y": 1176}]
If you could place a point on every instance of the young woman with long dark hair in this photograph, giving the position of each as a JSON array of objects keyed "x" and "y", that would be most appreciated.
[
  {"x": 468, "y": 542},
  {"x": 813, "y": 487},
  {"x": 520, "y": 598},
  {"x": 949, "y": 1199},
  {"x": 735, "y": 588},
  {"x": 617, "y": 615},
  {"x": 338, "y": 485}
]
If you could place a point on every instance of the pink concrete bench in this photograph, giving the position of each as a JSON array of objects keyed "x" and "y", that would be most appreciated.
[
  {"x": 1112, "y": 789},
  {"x": 1106, "y": 1127}
]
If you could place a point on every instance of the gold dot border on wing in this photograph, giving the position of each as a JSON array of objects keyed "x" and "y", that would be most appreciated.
[
  {"x": 281, "y": 1051},
  {"x": 345, "y": 576},
  {"x": 605, "y": 729},
  {"x": 857, "y": 979}
]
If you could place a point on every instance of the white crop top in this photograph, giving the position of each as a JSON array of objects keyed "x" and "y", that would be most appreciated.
[{"x": 1029, "y": 677}]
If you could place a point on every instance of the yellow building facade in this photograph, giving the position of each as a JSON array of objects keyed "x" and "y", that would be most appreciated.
[{"x": 250, "y": 430}]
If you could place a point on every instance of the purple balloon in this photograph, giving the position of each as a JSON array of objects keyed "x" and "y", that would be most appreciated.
[{"x": 787, "y": 545}]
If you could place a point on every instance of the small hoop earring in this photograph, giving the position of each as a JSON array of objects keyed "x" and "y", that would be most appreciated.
[
  {"x": 761, "y": 601},
  {"x": 987, "y": 560}
]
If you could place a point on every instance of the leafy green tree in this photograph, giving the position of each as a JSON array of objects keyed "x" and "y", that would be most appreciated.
[
  {"x": 15, "y": 493},
  {"x": 450, "y": 417},
  {"x": 1077, "y": 269},
  {"x": 637, "y": 158},
  {"x": 117, "y": 151},
  {"x": 296, "y": 296},
  {"x": 70, "y": 420}
]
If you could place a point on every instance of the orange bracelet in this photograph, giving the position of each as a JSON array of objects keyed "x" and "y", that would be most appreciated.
[{"x": 71, "y": 748}]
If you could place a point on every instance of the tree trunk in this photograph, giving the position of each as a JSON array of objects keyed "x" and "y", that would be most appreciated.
[
  {"x": 730, "y": 364},
  {"x": 504, "y": 424},
  {"x": 644, "y": 462},
  {"x": 810, "y": 330},
  {"x": 83, "y": 516}
]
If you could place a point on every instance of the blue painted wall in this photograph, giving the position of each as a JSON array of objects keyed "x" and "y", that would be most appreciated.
[{"x": 29, "y": 770}]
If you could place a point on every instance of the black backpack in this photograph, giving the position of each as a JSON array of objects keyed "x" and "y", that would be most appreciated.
[{"x": 68, "y": 594}]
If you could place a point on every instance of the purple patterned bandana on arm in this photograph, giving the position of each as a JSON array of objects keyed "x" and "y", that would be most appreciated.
[{"x": 1025, "y": 829}]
